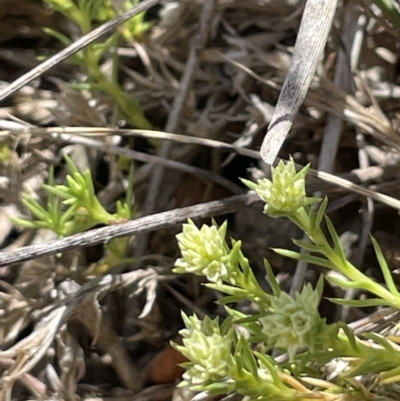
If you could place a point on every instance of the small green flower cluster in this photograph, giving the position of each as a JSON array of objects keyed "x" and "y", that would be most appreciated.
[
  {"x": 208, "y": 347},
  {"x": 234, "y": 356},
  {"x": 286, "y": 193},
  {"x": 287, "y": 189},
  {"x": 292, "y": 322},
  {"x": 221, "y": 362},
  {"x": 204, "y": 252}
]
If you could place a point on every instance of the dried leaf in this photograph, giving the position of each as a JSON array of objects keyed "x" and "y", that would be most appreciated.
[{"x": 313, "y": 33}]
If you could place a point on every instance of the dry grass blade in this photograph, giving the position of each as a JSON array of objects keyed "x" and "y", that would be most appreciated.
[{"x": 313, "y": 33}]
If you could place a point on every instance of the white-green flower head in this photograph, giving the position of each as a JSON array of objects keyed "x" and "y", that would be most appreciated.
[
  {"x": 204, "y": 251},
  {"x": 286, "y": 193},
  {"x": 293, "y": 322},
  {"x": 208, "y": 349}
]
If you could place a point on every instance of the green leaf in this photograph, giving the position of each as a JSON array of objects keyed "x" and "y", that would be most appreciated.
[
  {"x": 122, "y": 210},
  {"x": 337, "y": 246},
  {"x": 87, "y": 177},
  {"x": 217, "y": 388},
  {"x": 71, "y": 201},
  {"x": 243, "y": 262},
  {"x": 76, "y": 58},
  {"x": 250, "y": 184},
  {"x": 369, "y": 366},
  {"x": 63, "y": 39},
  {"x": 276, "y": 289},
  {"x": 383, "y": 342},
  {"x": 391, "y": 12},
  {"x": 308, "y": 246},
  {"x": 235, "y": 313},
  {"x": 129, "y": 197},
  {"x": 311, "y": 217},
  {"x": 232, "y": 299},
  {"x": 386, "y": 376},
  {"x": 247, "y": 319},
  {"x": 71, "y": 165},
  {"x": 226, "y": 326},
  {"x": 320, "y": 213},
  {"x": 23, "y": 223},
  {"x": 61, "y": 191},
  {"x": 228, "y": 289},
  {"x": 37, "y": 210},
  {"x": 308, "y": 258},
  {"x": 247, "y": 355},
  {"x": 269, "y": 364},
  {"x": 385, "y": 268},
  {"x": 350, "y": 335},
  {"x": 68, "y": 214},
  {"x": 54, "y": 211},
  {"x": 44, "y": 224},
  {"x": 320, "y": 287},
  {"x": 364, "y": 303},
  {"x": 99, "y": 49},
  {"x": 76, "y": 188},
  {"x": 348, "y": 284}
]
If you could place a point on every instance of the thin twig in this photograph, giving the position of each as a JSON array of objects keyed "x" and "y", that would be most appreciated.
[
  {"x": 342, "y": 180},
  {"x": 146, "y": 158},
  {"x": 141, "y": 225}
]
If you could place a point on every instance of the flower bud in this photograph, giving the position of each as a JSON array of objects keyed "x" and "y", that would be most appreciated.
[
  {"x": 294, "y": 322},
  {"x": 204, "y": 251},
  {"x": 286, "y": 193},
  {"x": 208, "y": 349}
]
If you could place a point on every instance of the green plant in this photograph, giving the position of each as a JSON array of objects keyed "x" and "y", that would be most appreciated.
[
  {"x": 75, "y": 208},
  {"x": 85, "y": 14},
  {"x": 235, "y": 356},
  {"x": 5, "y": 154}
]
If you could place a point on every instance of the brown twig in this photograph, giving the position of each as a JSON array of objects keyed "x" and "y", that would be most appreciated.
[{"x": 141, "y": 225}]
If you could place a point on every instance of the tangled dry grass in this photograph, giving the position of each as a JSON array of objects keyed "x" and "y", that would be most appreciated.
[{"x": 207, "y": 76}]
